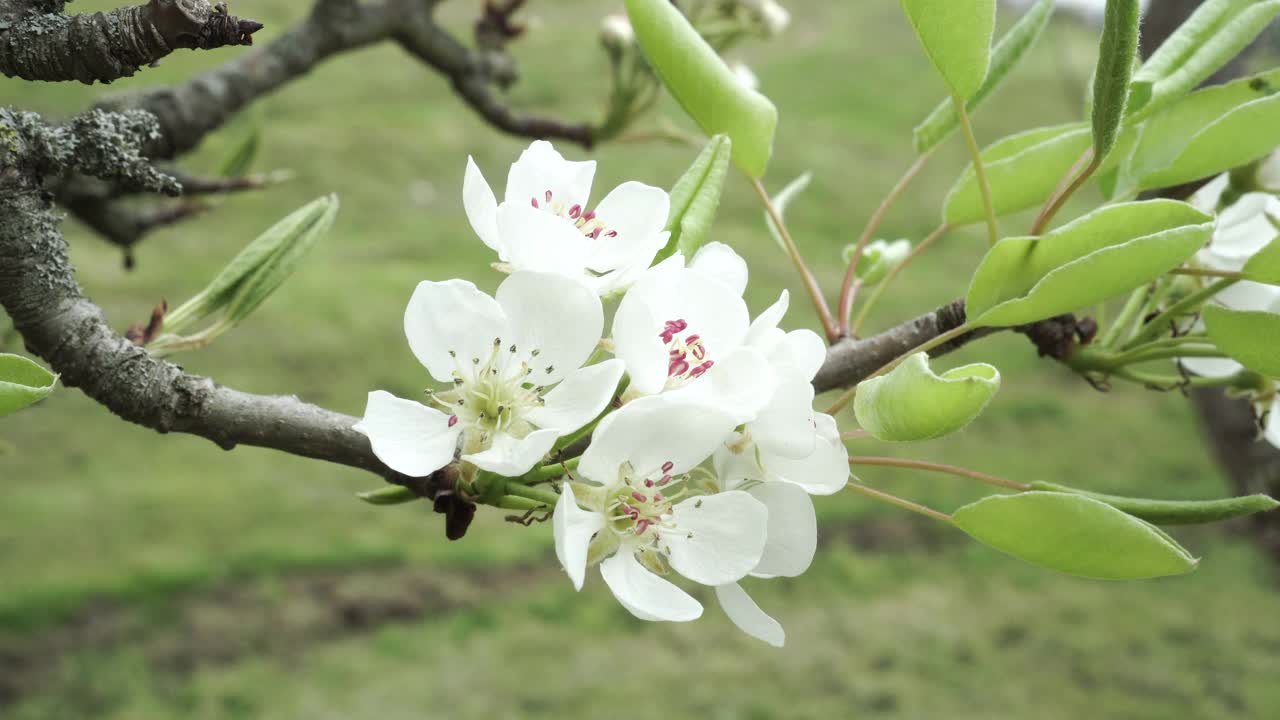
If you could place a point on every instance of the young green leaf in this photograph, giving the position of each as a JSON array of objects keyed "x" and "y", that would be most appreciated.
[
  {"x": 391, "y": 495},
  {"x": 1159, "y": 141},
  {"x": 703, "y": 84},
  {"x": 1116, "y": 54},
  {"x": 22, "y": 383},
  {"x": 1250, "y": 337},
  {"x": 695, "y": 197},
  {"x": 1022, "y": 171},
  {"x": 780, "y": 203},
  {"x": 1264, "y": 266},
  {"x": 237, "y": 163},
  {"x": 912, "y": 403},
  {"x": 1214, "y": 34},
  {"x": 1237, "y": 138},
  {"x": 956, "y": 35},
  {"x": 1108, "y": 252},
  {"x": 1073, "y": 534},
  {"x": 1174, "y": 512},
  {"x": 292, "y": 237},
  {"x": 1004, "y": 57}
]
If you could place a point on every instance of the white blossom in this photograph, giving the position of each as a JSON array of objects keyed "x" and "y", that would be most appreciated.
[
  {"x": 545, "y": 222},
  {"x": 616, "y": 32},
  {"x": 773, "y": 17},
  {"x": 639, "y": 509},
  {"x": 745, "y": 75},
  {"x": 514, "y": 366}
]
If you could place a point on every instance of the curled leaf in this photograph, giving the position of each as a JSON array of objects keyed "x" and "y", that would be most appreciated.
[
  {"x": 1073, "y": 534},
  {"x": 912, "y": 403}
]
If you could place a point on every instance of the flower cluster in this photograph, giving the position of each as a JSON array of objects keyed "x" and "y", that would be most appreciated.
[
  {"x": 704, "y": 445},
  {"x": 1246, "y": 223}
]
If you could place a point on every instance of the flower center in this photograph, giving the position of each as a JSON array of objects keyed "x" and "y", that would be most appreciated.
[
  {"x": 640, "y": 508},
  {"x": 584, "y": 220},
  {"x": 687, "y": 356},
  {"x": 491, "y": 394}
]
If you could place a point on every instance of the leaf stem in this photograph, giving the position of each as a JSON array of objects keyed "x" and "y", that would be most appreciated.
[
  {"x": 1206, "y": 272},
  {"x": 847, "y": 288},
  {"x": 841, "y": 402},
  {"x": 920, "y": 247},
  {"x": 1157, "y": 325},
  {"x": 940, "y": 468},
  {"x": 895, "y": 500},
  {"x": 543, "y": 495},
  {"x": 1060, "y": 197},
  {"x": 1130, "y": 311},
  {"x": 810, "y": 282},
  {"x": 993, "y": 230}
]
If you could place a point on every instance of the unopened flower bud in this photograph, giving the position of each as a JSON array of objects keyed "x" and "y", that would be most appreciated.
[
  {"x": 616, "y": 32},
  {"x": 772, "y": 17},
  {"x": 879, "y": 257}
]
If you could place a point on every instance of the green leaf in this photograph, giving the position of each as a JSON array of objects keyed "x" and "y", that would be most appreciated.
[
  {"x": 1264, "y": 266},
  {"x": 956, "y": 35},
  {"x": 912, "y": 403},
  {"x": 1022, "y": 171},
  {"x": 1159, "y": 141},
  {"x": 393, "y": 495},
  {"x": 1116, "y": 54},
  {"x": 1004, "y": 57},
  {"x": 1074, "y": 534},
  {"x": 1174, "y": 512},
  {"x": 695, "y": 197},
  {"x": 1214, "y": 34},
  {"x": 1237, "y": 138},
  {"x": 703, "y": 84},
  {"x": 780, "y": 203},
  {"x": 291, "y": 239},
  {"x": 22, "y": 383},
  {"x": 237, "y": 163},
  {"x": 1250, "y": 337},
  {"x": 1105, "y": 253}
]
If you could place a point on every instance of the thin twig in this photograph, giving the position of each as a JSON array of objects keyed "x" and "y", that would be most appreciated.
[
  {"x": 1058, "y": 199},
  {"x": 920, "y": 247},
  {"x": 940, "y": 468},
  {"x": 810, "y": 282},
  {"x": 895, "y": 500}
]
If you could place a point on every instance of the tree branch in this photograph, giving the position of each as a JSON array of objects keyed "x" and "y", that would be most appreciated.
[{"x": 39, "y": 42}]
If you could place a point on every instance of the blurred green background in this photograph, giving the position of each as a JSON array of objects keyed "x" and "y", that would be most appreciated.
[{"x": 152, "y": 577}]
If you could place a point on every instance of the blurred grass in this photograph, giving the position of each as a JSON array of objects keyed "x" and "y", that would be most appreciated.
[{"x": 98, "y": 517}]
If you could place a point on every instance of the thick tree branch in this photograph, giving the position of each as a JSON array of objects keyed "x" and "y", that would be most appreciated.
[{"x": 39, "y": 42}]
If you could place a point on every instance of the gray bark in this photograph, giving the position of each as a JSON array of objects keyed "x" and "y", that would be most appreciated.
[{"x": 39, "y": 42}]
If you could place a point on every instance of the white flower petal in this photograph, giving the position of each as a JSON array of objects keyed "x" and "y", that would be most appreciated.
[
  {"x": 747, "y": 615},
  {"x": 1272, "y": 432},
  {"x": 542, "y": 242},
  {"x": 824, "y": 472},
  {"x": 793, "y": 529},
  {"x": 736, "y": 469},
  {"x": 560, "y": 318},
  {"x": 766, "y": 322},
  {"x": 481, "y": 207},
  {"x": 510, "y": 456},
  {"x": 580, "y": 398},
  {"x": 1206, "y": 199},
  {"x": 636, "y": 213},
  {"x": 632, "y": 268},
  {"x": 712, "y": 310},
  {"x": 652, "y": 431},
  {"x": 785, "y": 426},
  {"x": 1244, "y": 228},
  {"x": 800, "y": 351},
  {"x": 539, "y": 169},
  {"x": 722, "y": 263},
  {"x": 646, "y": 595},
  {"x": 1211, "y": 367},
  {"x": 740, "y": 383},
  {"x": 574, "y": 528},
  {"x": 408, "y": 437},
  {"x": 639, "y": 345},
  {"x": 452, "y": 316},
  {"x": 717, "y": 538}
]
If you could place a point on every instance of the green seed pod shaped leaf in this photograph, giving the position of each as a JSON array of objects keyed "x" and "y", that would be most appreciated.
[
  {"x": 1075, "y": 535},
  {"x": 1250, "y": 337},
  {"x": 703, "y": 84},
  {"x": 956, "y": 35},
  {"x": 1105, "y": 253},
  {"x": 22, "y": 383},
  {"x": 912, "y": 403}
]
